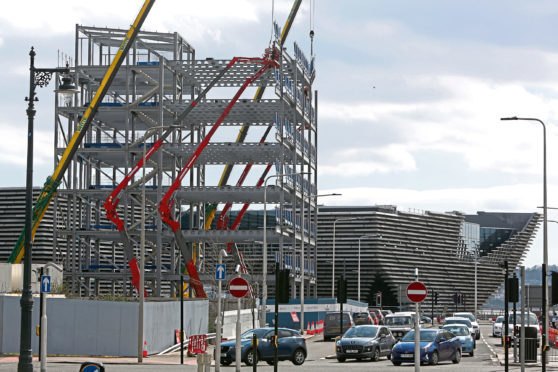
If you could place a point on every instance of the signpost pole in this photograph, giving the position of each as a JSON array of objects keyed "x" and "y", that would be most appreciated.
[
  {"x": 238, "y": 350},
  {"x": 181, "y": 318},
  {"x": 417, "y": 331}
]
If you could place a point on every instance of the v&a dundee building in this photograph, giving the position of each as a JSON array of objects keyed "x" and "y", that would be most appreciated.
[{"x": 443, "y": 246}]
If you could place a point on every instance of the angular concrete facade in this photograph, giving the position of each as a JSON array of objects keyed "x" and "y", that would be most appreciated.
[{"x": 393, "y": 243}]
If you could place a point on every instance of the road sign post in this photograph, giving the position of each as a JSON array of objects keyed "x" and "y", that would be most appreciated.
[
  {"x": 417, "y": 292},
  {"x": 238, "y": 287}
]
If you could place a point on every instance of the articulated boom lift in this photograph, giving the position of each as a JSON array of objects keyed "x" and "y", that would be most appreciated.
[
  {"x": 268, "y": 61},
  {"x": 111, "y": 203},
  {"x": 52, "y": 182}
]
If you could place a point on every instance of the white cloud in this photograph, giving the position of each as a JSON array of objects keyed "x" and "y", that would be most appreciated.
[
  {"x": 14, "y": 150},
  {"x": 366, "y": 161}
]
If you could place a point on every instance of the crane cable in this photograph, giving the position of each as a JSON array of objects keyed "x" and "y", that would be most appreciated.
[
  {"x": 272, "y": 22},
  {"x": 312, "y": 19}
]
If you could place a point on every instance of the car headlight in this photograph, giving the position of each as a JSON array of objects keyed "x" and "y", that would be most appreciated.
[{"x": 368, "y": 348}]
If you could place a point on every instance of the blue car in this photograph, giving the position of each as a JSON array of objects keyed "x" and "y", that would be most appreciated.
[
  {"x": 435, "y": 345},
  {"x": 468, "y": 343},
  {"x": 290, "y": 346}
]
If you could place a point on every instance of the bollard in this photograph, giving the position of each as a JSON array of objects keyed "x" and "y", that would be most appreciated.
[
  {"x": 255, "y": 348},
  {"x": 199, "y": 362},
  {"x": 207, "y": 362}
]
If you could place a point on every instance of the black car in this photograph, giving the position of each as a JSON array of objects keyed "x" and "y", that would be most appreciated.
[{"x": 365, "y": 341}]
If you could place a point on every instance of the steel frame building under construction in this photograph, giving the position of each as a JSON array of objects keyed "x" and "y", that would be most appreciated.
[{"x": 164, "y": 99}]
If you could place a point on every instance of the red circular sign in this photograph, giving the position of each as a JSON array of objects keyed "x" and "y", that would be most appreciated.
[
  {"x": 238, "y": 287},
  {"x": 416, "y": 292}
]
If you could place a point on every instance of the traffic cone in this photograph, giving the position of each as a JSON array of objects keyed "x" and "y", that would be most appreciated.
[
  {"x": 313, "y": 328},
  {"x": 144, "y": 349},
  {"x": 308, "y": 330}
]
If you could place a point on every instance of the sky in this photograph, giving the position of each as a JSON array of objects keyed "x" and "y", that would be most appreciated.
[{"x": 410, "y": 92}]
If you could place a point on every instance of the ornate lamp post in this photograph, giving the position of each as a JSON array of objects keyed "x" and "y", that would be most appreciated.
[{"x": 37, "y": 77}]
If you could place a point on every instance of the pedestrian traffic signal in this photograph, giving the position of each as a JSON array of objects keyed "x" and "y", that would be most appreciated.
[
  {"x": 341, "y": 290},
  {"x": 513, "y": 289},
  {"x": 283, "y": 286},
  {"x": 379, "y": 299},
  {"x": 554, "y": 297},
  {"x": 435, "y": 298}
]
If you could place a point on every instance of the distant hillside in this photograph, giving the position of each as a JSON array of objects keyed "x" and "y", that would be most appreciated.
[{"x": 533, "y": 274}]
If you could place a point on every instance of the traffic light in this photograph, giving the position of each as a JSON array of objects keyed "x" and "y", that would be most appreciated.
[
  {"x": 379, "y": 299},
  {"x": 513, "y": 289},
  {"x": 341, "y": 290},
  {"x": 435, "y": 298},
  {"x": 283, "y": 287},
  {"x": 455, "y": 298},
  {"x": 554, "y": 296}
]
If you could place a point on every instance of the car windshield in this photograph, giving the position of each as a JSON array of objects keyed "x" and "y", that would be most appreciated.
[
  {"x": 471, "y": 317},
  {"x": 360, "y": 315},
  {"x": 530, "y": 319},
  {"x": 398, "y": 320},
  {"x": 500, "y": 319},
  {"x": 425, "y": 336},
  {"x": 361, "y": 332},
  {"x": 459, "y": 321},
  {"x": 458, "y": 330},
  {"x": 259, "y": 333}
]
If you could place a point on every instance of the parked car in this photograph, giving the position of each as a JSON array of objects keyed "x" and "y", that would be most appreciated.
[
  {"x": 400, "y": 323},
  {"x": 365, "y": 341},
  {"x": 531, "y": 323},
  {"x": 362, "y": 317},
  {"x": 425, "y": 319},
  {"x": 436, "y": 345},
  {"x": 458, "y": 320},
  {"x": 290, "y": 346},
  {"x": 332, "y": 325},
  {"x": 497, "y": 326},
  {"x": 468, "y": 343},
  {"x": 378, "y": 314},
  {"x": 473, "y": 321}
]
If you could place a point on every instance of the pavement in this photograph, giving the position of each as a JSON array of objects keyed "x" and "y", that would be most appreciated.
[{"x": 160, "y": 360}]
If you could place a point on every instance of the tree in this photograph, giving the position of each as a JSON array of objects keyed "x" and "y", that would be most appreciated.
[{"x": 389, "y": 299}]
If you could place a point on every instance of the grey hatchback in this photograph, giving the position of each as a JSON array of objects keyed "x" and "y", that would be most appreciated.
[{"x": 365, "y": 341}]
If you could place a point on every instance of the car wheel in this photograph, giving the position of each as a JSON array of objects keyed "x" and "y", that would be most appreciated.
[
  {"x": 376, "y": 355},
  {"x": 389, "y": 356},
  {"x": 457, "y": 358},
  {"x": 298, "y": 357},
  {"x": 249, "y": 357},
  {"x": 434, "y": 358},
  {"x": 472, "y": 353},
  {"x": 396, "y": 363},
  {"x": 341, "y": 359},
  {"x": 270, "y": 362}
]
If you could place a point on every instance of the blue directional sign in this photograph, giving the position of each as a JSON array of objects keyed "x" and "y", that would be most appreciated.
[
  {"x": 220, "y": 271},
  {"x": 45, "y": 284}
]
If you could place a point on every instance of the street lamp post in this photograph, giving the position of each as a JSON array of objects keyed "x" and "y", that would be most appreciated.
[
  {"x": 545, "y": 247},
  {"x": 264, "y": 269},
  {"x": 302, "y": 276},
  {"x": 37, "y": 77},
  {"x": 333, "y": 253}
]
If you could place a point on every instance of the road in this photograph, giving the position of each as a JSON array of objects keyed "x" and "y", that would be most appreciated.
[{"x": 318, "y": 350}]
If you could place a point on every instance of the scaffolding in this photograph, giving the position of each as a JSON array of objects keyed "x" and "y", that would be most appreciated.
[{"x": 157, "y": 82}]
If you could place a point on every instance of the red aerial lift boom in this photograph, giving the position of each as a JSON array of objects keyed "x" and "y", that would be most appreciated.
[
  {"x": 268, "y": 61},
  {"x": 111, "y": 203}
]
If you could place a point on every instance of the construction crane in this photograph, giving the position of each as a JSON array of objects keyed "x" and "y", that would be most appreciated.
[
  {"x": 211, "y": 209},
  {"x": 49, "y": 189},
  {"x": 112, "y": 201},
  {"x": 270, "y": 60}
]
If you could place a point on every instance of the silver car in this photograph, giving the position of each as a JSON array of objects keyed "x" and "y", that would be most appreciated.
[{"x": 497, "y": 326}]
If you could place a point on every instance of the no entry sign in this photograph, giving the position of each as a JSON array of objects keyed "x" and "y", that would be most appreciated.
[
  {"x": 238, "y": 287},
  {"x": 416, "y": 292}
]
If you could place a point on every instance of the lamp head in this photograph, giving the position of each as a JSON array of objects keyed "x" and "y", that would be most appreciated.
[
  {"x": 67, "y": 89},
  {"x": 510, "y": 118}
]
